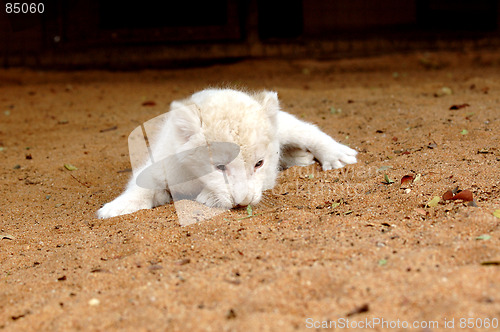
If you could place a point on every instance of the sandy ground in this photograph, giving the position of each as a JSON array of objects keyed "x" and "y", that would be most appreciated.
[{"x": 339, "y": 247}]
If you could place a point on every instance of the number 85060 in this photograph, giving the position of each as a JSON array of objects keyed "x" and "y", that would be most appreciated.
[{"x": 24, "y": 8}]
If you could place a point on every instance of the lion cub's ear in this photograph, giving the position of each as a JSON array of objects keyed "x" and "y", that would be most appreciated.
[
  {"x": 186, "y": 119},
  {"x": 269, "y": 100}
]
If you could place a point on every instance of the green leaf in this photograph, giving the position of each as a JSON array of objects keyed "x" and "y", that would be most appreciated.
[
  {"x": 70, "y": 167},
  {"x": 497, "y": 213},
  {"x": 382, "y": 262},
  {"x": 334, "y": 110},
  {"x": 434, "y": 201},
  {"x": 387, "y": 180},
  {"x": 335, "y": 205},
  {"x": 446, "y": 90},
  {"x": 483, "y": 237},
  {"x": 249, "y": 210},
  {"x": 311, "y": 176},
  {"x": 464, "y": 132}
]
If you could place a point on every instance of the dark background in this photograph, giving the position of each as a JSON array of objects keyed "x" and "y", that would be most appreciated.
[{"x": 130, "y": 35}]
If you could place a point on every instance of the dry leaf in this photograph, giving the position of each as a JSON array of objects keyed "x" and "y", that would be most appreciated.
[
  {"x": 183, "y": 261},
  {"x": 434, "y": 201},
  {"x": 70, "y": 167},
  {"x": 447, "y": 195},
  {"x": 465, "y": 195},
  {"x": 457, "y": 107},
  {"x": 108, "y": 129},
  {"x": 149, "y": 103},
  {"x": 7, "y": 236},
  {"x": 407, "y": 178},
  {"x": 444, "y": 91},
  {"x": 359, "y": 310},
  {"x": 231, "y": 314},
  {"x": 491, "y": 262}
]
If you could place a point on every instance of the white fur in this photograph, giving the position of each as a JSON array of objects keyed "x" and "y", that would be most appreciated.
[{"x": 255, "y": 123}]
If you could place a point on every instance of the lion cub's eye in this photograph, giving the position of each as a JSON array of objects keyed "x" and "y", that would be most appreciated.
[
  {"x": 221, "y": 167},
  {"x": 259, "y": 164}
]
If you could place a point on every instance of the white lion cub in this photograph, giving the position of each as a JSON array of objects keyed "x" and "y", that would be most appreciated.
[{"x": 223, "y": 148}]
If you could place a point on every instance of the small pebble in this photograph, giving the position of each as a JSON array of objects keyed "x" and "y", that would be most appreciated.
[{"x": 94, "y": 302}]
